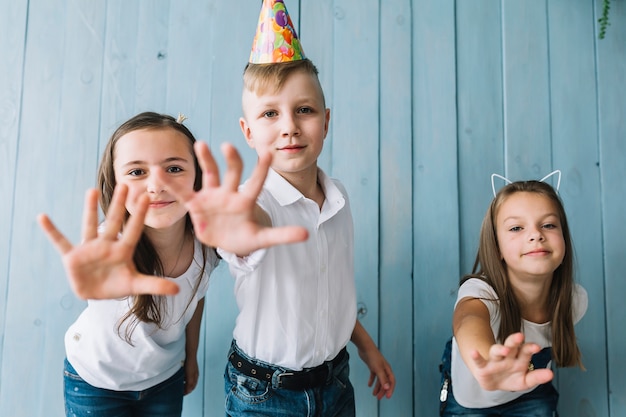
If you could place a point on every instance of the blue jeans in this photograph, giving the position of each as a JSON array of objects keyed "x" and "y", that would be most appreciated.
[
  {"x": 84, "y": 400},
  {"x": 247, "y": 396},
  {"x": 540, "y": 402}
]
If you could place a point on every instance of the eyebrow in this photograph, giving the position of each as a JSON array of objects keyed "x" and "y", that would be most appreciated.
[
  {"x": 165, "y": 161},
  {"x": 519, "y": 217}
]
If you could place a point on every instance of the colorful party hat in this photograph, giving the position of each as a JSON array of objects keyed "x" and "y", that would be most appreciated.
[{"x": 276, "y": 39}]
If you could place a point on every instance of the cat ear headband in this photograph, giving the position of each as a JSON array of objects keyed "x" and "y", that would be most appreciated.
[{"x": 508, "y": 181}]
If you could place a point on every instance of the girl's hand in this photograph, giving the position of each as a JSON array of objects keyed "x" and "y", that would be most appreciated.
[
  {"x": 192, "y": 374},
  {"x": 506, "y": 367},
  {"x": 102, "y": 265},
  {"x": 227, "y": 218}
]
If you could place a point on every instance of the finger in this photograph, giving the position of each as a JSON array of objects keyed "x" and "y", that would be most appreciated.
[
  {"x": 514, "y": 340},
  {"x": 116, "y": 212},
  {"x": 539, "y": 376},
  {"x": 234, "y": 167},
  {"x": 59, "y": 241},
  {"x": 257, "y": 179},
  {"x": 478, "y": 359},
  {"x": 145, "y": 284},
  {"x": 135, "y": 223},
  {"x": 210, "y": 172},
  {"x": 90, "y": 215}
]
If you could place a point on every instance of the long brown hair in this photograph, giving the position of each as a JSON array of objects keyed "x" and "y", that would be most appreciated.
[
  {"x": 145, "y": 308},
  {"x": 491, "y": 268}
]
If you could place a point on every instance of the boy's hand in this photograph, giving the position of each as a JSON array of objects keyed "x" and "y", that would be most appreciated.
[
  {"x": 227, "y": 218},
  {"x": 506, "y": 367},
  {"x": 102, "y": 265},
  {"x": 380, "y": 373}
]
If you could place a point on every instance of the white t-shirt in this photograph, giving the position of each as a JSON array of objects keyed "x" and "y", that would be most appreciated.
[
  {"x": 297, "y": 302},
  {"x": 102, "y": 356},
  {"x": 467, "y": 391}
]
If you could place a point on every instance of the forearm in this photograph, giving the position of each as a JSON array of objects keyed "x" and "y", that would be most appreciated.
[
  {"x": 361, "y": 338},
  {"x": 192, "y": 331}
]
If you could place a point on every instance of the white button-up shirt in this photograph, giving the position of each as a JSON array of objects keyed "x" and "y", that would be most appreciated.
[{"x": 297, "y": 302}]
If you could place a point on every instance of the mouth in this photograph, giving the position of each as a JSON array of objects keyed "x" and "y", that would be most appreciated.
[
  {"x": 159, "y": 204},
  {"x": 291, "y": 148},
  {"x": 538, "y": 252}
]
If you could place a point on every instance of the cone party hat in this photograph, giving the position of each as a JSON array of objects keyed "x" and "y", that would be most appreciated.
[{"x": 276, "y": 39}]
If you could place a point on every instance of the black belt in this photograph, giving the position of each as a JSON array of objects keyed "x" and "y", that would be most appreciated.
[{"x": 293, "y": 380}]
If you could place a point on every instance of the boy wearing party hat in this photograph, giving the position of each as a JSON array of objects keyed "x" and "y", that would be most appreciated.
[{"x": 297, "y": 303}]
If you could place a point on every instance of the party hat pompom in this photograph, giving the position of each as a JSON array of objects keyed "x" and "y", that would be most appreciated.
[{"x": 276, "y": 39}]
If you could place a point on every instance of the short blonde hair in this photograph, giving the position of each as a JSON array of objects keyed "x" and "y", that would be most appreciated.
[{"x": 264, "y": 78}]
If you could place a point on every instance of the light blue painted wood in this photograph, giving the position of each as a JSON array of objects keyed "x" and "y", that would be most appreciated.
[
  {"x": 480, "y": 118},
  {"x": 355, "y": 138},
  {"x": 574, "y": 120},
  {"x": 526, "y": 90},
  {"x": 61, "y": 81},
  {"x": 435, "y": 195},
  {"x": 396, "y": 204},
  {"x": 611, "y": 79},
  {"x": 13, "y": 21}
]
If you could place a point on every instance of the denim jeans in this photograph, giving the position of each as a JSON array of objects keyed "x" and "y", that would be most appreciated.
[
  {"x": 540, "y": 402},
  {"x": 82, "y": 400},
  {"x": 247, "y": 396}
]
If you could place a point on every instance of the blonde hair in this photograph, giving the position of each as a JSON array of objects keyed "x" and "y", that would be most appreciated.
[
  {"x": 491, "y": 268},
  {"x": 264, "y": 78},
  {"x": 145, "y": 308}
]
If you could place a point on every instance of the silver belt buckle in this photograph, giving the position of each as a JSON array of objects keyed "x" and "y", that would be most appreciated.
[{"x": 280, "y": 377}]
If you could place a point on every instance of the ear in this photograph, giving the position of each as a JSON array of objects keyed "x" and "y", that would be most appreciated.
[
  {"x": 326, "y": 122},
  {"x": 247, "y": 133}
]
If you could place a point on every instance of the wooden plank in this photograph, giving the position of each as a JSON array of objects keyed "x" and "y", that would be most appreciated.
[
  {"x": 13, "y": 23},
  {"x": 611, "y": 79},
  {"x": 526, "y": 86},
  {"x": 480, "y": 113},
  {"x": 355, "y": 160},
  {"x": 396, "y": 198},
  {"x": 575, "y": 151},
  {"x": 61, "y": 88},
  {"x": 435, "y": 193},
  {"x": 118, "y": 85}
]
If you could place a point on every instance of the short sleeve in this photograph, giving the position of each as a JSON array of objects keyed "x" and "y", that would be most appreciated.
[
  {"x": 580, "y": 303},
  {"x": 479, "y": 289}
]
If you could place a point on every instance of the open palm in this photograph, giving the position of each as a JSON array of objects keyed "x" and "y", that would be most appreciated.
[
  {"x": 102, "y": 265},
  {"x": 226, "y": 217}
]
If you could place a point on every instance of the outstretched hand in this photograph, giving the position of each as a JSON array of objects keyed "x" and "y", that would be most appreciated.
[
  {"x": 506, "y": 368},
  {"x": 102, "y": 265},
  {"x": 227, "y": 218}
]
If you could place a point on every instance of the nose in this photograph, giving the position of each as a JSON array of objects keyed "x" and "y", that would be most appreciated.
[
  {"x": 536, "y": 235},
  {"x": 155, "y": 182},
  {"x": 289, "y": 126}
]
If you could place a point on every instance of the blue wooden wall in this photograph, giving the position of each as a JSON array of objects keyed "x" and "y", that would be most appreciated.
[{"x": 428, "y": 98}]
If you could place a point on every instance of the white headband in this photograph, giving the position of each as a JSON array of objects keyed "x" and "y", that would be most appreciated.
[{"x": 508, "y": 181}]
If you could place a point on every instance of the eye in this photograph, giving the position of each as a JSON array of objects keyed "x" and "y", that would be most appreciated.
[
  {"x": 515, "y": 229},
  {"x": 136, "y": 172},
  {"x": 174, "y": 169},
  {"x": 549, "y": 226},
  {"x": 270, "y": 114},
  {"x": 305, "y": 110}
]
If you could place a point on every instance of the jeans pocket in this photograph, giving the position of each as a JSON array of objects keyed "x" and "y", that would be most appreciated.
[
  {"x": 70, "y": 373},
  {"x": 244, "y": 388}
]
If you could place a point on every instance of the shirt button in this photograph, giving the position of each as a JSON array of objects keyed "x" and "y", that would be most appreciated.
[{"x": 76, "y": 337}]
